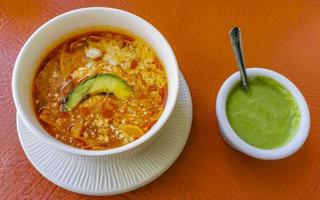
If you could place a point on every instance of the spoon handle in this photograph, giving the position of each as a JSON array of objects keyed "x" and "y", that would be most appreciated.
[{"x": 235, "y": 37}]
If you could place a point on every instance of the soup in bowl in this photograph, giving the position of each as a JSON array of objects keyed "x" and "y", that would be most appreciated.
[
  {"x": 100, "y": 90},
  {"x": 98, "y": 85}
]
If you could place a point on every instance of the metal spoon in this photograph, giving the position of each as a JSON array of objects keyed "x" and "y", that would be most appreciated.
[{"x": 235, "y": 37}]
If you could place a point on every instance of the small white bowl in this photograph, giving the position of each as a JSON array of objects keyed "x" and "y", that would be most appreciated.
[
  {"x": 237, "y": 143},
  {"x": 67, "y": 24}
]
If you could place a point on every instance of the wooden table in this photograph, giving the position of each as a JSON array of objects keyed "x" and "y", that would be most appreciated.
[{"x": 281, "y": 35}]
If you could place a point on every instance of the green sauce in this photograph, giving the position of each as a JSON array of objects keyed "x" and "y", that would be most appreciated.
[{"x": 266, "y": 116}]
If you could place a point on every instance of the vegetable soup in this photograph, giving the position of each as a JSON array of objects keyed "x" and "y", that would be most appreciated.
[{"x": 100, "y": 90}]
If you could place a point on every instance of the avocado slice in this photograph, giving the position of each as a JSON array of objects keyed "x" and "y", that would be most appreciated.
[{"x": 97, "y": 84}]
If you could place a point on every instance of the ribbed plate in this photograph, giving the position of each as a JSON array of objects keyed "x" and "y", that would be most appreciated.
[{"x": 101, "y": 176}]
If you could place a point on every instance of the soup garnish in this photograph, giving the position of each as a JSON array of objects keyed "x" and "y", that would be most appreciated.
[
  {"x": 102, "y": 83},
  {"x": 100, "y": 90}
]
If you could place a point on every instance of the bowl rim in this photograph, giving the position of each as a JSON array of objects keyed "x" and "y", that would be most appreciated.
[
  {"x": 235, "y": 141},
  {"x": 47, "y": 138}
]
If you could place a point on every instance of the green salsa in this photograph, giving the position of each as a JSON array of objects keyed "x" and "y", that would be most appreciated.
[{"x": 266, "y": 116}]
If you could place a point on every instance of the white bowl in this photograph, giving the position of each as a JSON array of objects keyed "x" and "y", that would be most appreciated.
[
  {"x": 237, "y": 143},
  {"x": 66, "y": 24}
]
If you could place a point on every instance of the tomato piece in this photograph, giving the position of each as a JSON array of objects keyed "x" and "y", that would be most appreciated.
[
  {"x": 134, "y": 64},
  {"x": 157, "y": 63},
  {"x": 163, "y": 94},
  {"x": 107, "y": 113}
]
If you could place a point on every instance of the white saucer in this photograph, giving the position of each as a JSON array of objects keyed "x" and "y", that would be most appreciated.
[{"x": 101, "y": 176}]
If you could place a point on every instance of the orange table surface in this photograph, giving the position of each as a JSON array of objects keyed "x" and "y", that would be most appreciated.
[{"x": 281, "y": 35}]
